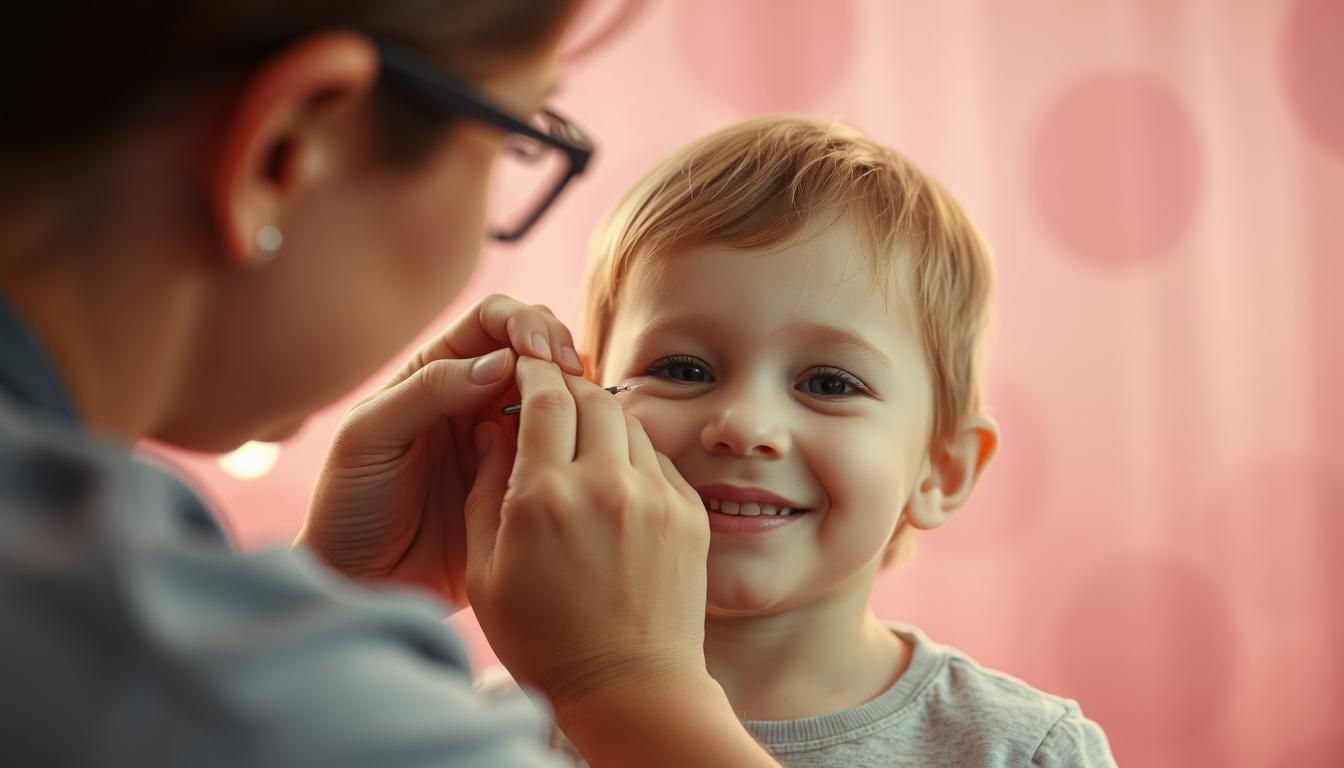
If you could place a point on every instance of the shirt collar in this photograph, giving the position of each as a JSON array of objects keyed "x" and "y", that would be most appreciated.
[{"x": 28, "y": 375}]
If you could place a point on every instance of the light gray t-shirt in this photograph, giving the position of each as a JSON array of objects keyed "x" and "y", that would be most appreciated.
[{"x": 946, "y": 711}]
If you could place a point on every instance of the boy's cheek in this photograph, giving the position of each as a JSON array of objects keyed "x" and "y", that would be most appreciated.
[
  {"x": 866, "y": 467},
  {"x": 669, "y": 431}
]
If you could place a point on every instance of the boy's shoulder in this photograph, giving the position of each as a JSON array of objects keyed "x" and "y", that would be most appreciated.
[
  {"x": 989, "y": 715},
  {"x": 953, "y": 677}
]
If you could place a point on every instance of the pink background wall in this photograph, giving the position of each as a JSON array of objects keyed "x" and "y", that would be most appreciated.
[{"x": 1163, "y": 183}]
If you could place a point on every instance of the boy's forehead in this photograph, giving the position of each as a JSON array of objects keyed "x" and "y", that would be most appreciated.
[{"x": 829, "y": 270}]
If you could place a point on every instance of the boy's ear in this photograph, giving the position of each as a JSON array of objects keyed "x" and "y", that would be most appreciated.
[{"x": 950, "y": 472}]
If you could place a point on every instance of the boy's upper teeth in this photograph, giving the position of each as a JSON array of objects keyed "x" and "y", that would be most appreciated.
[{"x": 748, "y": 508}]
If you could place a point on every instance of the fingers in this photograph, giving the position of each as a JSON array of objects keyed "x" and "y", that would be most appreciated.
[
  {"x": 493, "y": 322},
  {"x": 534, "y": 328},
  {"x": 482, "y": 507},
  {"x": 548, "y": 425},
  {"x": 566, "y": 418},
  {"x": 439, "y": 389},
  {"x": 675, "y": 479},
  {"x": 642, "y": 455},
  {"x": 600, "y": 421}
]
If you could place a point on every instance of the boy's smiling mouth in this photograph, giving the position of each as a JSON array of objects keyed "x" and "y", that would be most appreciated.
[{"x": 747, "y": 502}]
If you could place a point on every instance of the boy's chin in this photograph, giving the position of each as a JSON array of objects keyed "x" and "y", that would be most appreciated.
[{"x": 731, "y": 596}]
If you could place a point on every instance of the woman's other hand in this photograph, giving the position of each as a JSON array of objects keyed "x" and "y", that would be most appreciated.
[
  {"x": 389, "y": 498},
  {"x": 586, "y": 547}
]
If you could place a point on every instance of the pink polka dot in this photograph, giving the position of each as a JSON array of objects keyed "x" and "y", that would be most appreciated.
[
  {"x": 1008, "y": 498},
  {"x": 1272, "y": 533},
  {"x": 1313, "y": 58},
  {"x": 1148, "y": 649},
  {"x": 767, "y": 55},
  {"x": 1115, "y": 170}
]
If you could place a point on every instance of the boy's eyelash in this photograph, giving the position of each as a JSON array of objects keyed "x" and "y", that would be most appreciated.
[
  {"x": 843, "y": 375},
  {"x": 663, "y": 363}
]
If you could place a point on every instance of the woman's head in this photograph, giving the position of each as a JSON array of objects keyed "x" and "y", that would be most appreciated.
[{"x": 158, "y": 139}]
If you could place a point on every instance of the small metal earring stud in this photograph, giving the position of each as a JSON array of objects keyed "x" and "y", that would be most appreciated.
[{"x": 268, "y": 240}]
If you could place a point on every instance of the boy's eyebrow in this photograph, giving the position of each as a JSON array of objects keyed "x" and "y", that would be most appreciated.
[
  {"x": 847, "y": 337},
  {"x": 692, "y": 322}
]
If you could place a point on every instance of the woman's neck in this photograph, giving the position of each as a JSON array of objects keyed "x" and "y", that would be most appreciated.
[
  {"x": 108, "y": 272},
  {"x": 114, "y": 328},
  {"x": 826, "y": 656}
]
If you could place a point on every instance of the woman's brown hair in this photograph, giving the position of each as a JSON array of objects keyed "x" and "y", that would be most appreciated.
[{"x": 75, "y": 73}]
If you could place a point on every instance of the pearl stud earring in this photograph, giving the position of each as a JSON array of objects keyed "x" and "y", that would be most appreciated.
[{"x": 268, "y": 240}]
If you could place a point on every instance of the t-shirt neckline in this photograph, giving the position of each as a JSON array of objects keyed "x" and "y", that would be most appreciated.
[{"x": 836, "y": 727}]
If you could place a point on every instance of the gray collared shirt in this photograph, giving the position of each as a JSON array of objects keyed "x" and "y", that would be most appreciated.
[{"x": 132, "y": 634}]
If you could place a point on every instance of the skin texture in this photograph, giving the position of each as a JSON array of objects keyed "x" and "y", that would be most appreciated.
[
  {"x": 167, "y": 322},
  {"x": 785, "y": 369}
]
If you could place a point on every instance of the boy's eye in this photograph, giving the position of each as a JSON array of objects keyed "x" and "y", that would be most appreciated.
[
  {"x": 832, "y": 382},
  {"x": 683, "y": 368}
]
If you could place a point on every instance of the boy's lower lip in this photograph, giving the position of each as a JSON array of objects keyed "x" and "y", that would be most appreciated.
[{"x": 721, "y": 523}]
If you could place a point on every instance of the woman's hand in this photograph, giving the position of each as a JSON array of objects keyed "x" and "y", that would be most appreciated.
[
  {"x": 586, "y": 548},
  {"x": 389, "y": 499}
]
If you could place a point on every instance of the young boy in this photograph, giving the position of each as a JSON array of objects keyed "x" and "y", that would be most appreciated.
[{"x": 803, "y": 311}]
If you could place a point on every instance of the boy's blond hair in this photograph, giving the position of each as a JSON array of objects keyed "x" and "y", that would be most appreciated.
[{"x": 758, "y": 183}]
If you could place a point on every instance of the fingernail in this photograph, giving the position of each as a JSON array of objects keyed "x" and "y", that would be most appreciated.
[
  {"x": 488, "y": 369},
  {"x": 571, "y": 357},
  {"x": 541, "y": 346},
  {"x": 482, "y": 439}
]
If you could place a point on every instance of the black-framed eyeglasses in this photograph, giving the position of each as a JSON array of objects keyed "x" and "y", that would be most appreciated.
[{"x": 541, "y": 156}]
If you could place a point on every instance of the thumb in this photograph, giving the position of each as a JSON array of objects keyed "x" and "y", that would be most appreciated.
[
  {"x": 439, "y": 389},
  {"x": 482, "y": 508}
]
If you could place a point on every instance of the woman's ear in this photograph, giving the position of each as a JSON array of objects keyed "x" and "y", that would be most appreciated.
[
  {"x": 274, "y": 137},
  {"x": 950, "y": 472}
]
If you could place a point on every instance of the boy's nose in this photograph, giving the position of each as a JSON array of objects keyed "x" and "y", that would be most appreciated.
[{"x": 745, "y": 431}]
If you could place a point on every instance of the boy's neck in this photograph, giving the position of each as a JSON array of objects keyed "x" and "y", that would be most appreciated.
[{"x": 827, "y": 656}]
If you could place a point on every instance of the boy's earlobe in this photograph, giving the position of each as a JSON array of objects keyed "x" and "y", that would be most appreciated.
[
  {"x": 950, "y": 474},
  {"x": 925, "y": 510}
]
